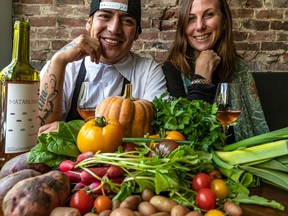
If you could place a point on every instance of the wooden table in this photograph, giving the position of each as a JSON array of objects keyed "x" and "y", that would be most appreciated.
[{"x": 269, "y": 192}]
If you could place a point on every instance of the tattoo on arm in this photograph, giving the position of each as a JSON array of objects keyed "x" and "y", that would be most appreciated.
[
  {"x": 67, "y": 46},
  {"x": 46, "y": 98}
]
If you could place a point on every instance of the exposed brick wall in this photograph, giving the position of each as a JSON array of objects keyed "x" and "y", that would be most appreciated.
[{"x": 261, "y": 28}]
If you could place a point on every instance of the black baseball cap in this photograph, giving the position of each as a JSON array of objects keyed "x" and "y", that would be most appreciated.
[{"x": 134, "y": 9}]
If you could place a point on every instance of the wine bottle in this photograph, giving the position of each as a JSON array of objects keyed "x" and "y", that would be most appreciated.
[{"x": 19, "y": 98}]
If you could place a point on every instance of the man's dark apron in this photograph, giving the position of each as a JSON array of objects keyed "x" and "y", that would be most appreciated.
[{"x": 73, "y": 113}]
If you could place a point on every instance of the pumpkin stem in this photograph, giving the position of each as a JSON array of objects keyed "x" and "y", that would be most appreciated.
[
  {"x": 162, "y": 133},
  {"x": 100, "y": 121},
  {"x": 128, "y": 92}
]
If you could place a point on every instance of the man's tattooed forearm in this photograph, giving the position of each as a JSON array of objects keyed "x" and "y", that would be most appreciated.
[
  {"x": 46, "y": 98},
  {"x": 67, "y": 46}
]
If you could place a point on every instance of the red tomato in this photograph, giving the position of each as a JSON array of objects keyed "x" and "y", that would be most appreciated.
[
  {"x": 102, "y": 203},
  {"x": 201, "y": 180},
  {"x": 215, "y": 174},
  {"x": 82, "y": 201},
  {"x": 220, "y": 188},
  {"x": 206, "y": 199}
]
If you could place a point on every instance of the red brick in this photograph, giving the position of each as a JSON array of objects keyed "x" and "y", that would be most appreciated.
[
  {"x": 256, "y": 25},
  {"x": 39, "y": 55},
  {"x": 254, "y": 3},
  {"x": 168, "y": 25},
  {"x": 36, "y": 1},
  {"x": 63, "y": 2},
  {"x": 279, "y": 25},
  {"x": 42, "y": 21},
  {"x": 247, "y": 46},
  {"x": 274, "y": 46},
  {"x": 72, "y": 22},
  {"x": 240, "y": 36},
  {"x": 261, "y": 36},
  {"x": 242, "y": 13},
  {"x": 165, "y": 35},
  {"x": 28, "y": 10},
  {"x": 269, "y": 14}
]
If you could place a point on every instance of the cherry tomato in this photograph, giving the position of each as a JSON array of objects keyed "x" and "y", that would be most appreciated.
[
  {"x": 214, "y": 174},
  {"x": 220, "y": 188},
  {"x": 201, "y": 180},
  {"x": 82, "y": 201},
  {"x": 102, "y": 203},
  {"x": 206, "y": 199},
  {"x": 214, "y": 212}
]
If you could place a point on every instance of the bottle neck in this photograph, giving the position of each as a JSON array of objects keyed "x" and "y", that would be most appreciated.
[{"x": 21, "y": 42}]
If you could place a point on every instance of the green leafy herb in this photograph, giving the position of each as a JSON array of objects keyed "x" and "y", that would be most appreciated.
[
  {"x": 195, "y": 119},
  {"x": 54, "y": 147}
]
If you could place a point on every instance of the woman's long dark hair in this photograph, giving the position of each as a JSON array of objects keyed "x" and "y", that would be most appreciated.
[{"x": 180, "y": 52}]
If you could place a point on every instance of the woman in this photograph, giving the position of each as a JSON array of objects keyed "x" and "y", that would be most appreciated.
[{"x": 204, "y": 54}]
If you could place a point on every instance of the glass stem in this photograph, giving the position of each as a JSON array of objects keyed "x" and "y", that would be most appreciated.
[{"x": 225, "y": 128}]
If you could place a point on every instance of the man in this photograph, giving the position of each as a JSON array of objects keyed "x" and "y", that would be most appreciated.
[{"x": 104, "y": 57}]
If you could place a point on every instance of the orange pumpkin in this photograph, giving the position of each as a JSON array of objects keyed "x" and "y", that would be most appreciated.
[{"x": 134, "y": 114}]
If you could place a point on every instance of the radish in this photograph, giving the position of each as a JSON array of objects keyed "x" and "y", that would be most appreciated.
[{"x": 66, "y": 165}]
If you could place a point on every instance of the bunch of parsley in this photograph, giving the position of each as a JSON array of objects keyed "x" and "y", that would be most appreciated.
[{"x": 195, "y": 119}]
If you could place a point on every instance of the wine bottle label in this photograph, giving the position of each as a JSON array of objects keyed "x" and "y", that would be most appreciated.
[{"x": 22, "y": 117}]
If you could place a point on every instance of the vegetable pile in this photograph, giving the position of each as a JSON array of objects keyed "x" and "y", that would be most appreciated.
[{"x": 156, "y": 173}]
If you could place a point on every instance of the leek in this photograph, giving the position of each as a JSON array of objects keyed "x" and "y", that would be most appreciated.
[
  {"x": 279, "y": 179},
  {"x": 255, "y": 153},
  {"x": 259, "y": 139}
]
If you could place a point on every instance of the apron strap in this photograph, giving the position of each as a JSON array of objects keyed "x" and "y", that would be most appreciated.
[{"x": 73, "y": 113}]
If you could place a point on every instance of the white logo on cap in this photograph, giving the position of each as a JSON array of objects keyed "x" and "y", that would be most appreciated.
[{"x": 114, "y": 5}]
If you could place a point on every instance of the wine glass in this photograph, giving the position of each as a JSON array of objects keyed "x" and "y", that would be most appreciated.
[
  {"x": 86, "y": 102},
  {"x": 227, "y": 99}
]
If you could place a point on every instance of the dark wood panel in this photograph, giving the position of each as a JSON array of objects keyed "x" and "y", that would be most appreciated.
[{"x": 269, "y": 192}]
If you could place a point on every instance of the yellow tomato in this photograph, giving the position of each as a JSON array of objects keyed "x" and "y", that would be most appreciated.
[
  {"x": 214, "y": 212},
  {"x": 220, "y": 188},
  {"x": 100, "y": 135}
]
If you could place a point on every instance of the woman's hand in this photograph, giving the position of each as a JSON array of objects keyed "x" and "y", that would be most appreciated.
[
  {"x": 206, "y": 63},
  {"x": 52, "y": 127}
]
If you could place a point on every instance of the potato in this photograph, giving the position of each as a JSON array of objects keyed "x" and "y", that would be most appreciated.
[
  {"x": 194, "y": 213},
  {"x": 65, "y": 211},
  {"x": 115, "y": 204},
  {"x": 137, "y": 213},
  {"x": 179, "y": 210},
  {"x": 131, "y": 202},
  {"x": 37, "y": 195},
  {"x": 146, "y": 208},
  {"x": 91, "y": 214},
  {"x": 9, "y": 181},
  {"x": 163, "y": 204},
  {"x": 122, "y": 212},
  {"x": 161, "y": 214},
  {"x": 147, "y": 194},
  {"x": 19, "y": 163},
  {"x": 105, "y": 212}
]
